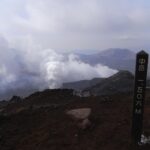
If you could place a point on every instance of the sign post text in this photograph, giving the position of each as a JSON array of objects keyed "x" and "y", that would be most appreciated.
[{"x": 139, "y": 95}]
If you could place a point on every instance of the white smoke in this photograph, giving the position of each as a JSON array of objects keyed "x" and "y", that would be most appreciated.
[
  {"x": 59, "y": 70},
  {"x": 38, "y": 69}
]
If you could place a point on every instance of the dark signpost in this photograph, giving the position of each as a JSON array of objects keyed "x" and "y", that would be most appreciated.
[{"x": 139, "y": 95}]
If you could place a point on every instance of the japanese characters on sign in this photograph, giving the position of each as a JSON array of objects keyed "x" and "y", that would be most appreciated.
[
  {"x": 141, "y": 66},
  {"x": 139, "y": 94},
  {"x": 139, "y": 97}
]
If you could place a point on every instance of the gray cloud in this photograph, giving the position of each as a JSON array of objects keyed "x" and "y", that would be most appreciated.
[{"x": 84, "y": 24}]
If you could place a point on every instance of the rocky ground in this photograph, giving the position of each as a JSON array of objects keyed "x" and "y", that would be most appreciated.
[{"x": 103, "y": 123}]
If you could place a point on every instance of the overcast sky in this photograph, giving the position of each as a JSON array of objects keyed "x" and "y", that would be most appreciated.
[
  {"x": 76, "y": 24},
  {"x": 34, "y": 32}
]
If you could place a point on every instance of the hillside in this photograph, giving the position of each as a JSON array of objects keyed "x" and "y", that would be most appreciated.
[
  {"x": 46, "y": 127},
  {"x": 121, "y": 82},
  {"x": 80, "y": 85}
]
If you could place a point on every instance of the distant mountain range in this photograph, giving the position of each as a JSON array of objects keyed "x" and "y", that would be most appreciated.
[
  {"x": 120, "y": 59},
  {"x": 115, "y": 58}
]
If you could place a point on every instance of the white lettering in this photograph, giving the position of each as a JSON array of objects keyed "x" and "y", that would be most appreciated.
[
  {"x": 138, "y": 111},
  {"x": 141, "y": 68},
  {"x": 142, "y": 61},
  {"x": 139, "y": 96},
  {"x": 140, "y": 80},
  {"x": 140, "y": 90},
  {"x": 138, "y": 103}
]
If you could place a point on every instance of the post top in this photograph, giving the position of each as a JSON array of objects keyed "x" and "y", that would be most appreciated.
[{"x": 142, "y": 52}]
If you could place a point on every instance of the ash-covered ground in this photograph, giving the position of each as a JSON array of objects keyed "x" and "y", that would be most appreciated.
[{"x": 41, "y": 121}]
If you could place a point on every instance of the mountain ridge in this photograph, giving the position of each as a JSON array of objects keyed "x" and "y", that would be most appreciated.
[
  {"x": 121, "y": 82},
  {"x": 115, "y": 58}
]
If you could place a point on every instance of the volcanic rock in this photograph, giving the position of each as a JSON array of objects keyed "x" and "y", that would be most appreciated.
[{"x": 81, "y": 117}]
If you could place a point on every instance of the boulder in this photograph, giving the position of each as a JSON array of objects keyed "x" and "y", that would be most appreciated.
[
  {"x": 80, "y": 113},
  {"x": 81, "y": 117}
]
